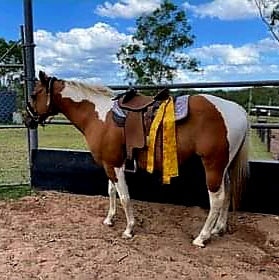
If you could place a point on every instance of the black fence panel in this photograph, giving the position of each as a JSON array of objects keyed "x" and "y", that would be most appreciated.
[
  {"x": 76, "y": 172},
  {"x": 72, "y": 171},
  {"x": 262, "y": 192}
]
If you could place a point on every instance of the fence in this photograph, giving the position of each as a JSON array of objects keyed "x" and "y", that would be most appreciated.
[
  {"x": 73, "y": 170},
  {"x": 7, "y": 106},
  {"x": 268, "y": 135}
]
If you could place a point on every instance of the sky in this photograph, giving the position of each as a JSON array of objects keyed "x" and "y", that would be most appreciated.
[{"x": 79, "y": 39}]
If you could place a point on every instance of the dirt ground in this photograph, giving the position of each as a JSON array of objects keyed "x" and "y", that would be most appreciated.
[{"x": 61, "y": 236}]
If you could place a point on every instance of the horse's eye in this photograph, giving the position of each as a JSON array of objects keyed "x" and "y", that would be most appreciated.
[{"x": 33, "y": 96}]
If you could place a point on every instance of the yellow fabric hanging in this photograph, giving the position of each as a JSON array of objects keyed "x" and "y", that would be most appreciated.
[{"x": 165, "y": 115}]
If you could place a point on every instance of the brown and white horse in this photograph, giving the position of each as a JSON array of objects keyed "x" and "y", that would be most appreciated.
[{"x": 215, "y": 130}]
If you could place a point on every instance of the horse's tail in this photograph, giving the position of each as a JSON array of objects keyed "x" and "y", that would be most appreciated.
[{"x": 238, "y": 173}]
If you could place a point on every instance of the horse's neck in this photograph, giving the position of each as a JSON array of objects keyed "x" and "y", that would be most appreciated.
[{"x": 84, "y": 108}]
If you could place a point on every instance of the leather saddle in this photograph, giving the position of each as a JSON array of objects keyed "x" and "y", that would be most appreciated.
[{"x": 140, "y": 111}]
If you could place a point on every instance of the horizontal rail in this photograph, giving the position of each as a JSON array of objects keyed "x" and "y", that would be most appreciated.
[
  {"x": 253, "y": 125},
  {"x": 200, "y": 85},
  {"x": 61, "y": 122},
  {"x": 267, "y": 107},
  {"x": 265, "y": 125},
  {"x": 58, "y": 122},
  {"x": 12, "y": 126},
  {"x": 11, "y": 65}
]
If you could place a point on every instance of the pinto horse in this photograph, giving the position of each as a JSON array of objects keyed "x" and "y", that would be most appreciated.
[{"x": 215, "y": 130}]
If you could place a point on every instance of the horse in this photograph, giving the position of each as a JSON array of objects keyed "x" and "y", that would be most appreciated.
[{"x": 215, "y": 130}]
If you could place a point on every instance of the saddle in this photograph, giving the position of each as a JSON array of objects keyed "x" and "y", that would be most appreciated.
[{"x": 140, "y": 110}]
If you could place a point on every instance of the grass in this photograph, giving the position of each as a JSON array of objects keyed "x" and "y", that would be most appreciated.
[
  {"x": 257, "y": 150},
  {"x": 14, "y": 164},
  {"x": 15, "y": 192},
  {"x": 61, "y": 136},
  {"x": 13, "y": 156},
  {"x": 14, "y": 159}
]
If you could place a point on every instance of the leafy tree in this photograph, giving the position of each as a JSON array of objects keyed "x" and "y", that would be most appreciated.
[
  {"x": 14, "y": 55},
  {"x": 269, "y": 13},
  {"x": 158, "y": 46}
]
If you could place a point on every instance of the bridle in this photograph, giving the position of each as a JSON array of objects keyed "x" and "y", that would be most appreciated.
[{"x": 51, "y": 110}]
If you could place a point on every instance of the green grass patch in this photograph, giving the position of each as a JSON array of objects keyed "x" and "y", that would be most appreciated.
[
  {"x": 13, "y": 156},
  {"x": 257, "y": 149},
  {"x": 61, "y": 136},
  {"x": 15, "y": 192}
]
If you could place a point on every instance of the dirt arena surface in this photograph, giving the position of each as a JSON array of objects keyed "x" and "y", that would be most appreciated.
[{"x": 61, "y": 236}]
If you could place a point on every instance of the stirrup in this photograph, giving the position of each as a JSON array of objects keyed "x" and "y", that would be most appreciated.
[{"x": 131, "y": 166}]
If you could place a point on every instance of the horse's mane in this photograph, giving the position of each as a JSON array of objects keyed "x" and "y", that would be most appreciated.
[{"x": 90, "y": 89}]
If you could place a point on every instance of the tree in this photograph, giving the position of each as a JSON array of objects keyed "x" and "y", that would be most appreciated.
[
  {"x": 269, "y": 13},
  {"x": 10, "y": 53},
  {"x": 14, "y": 55},
  {"x": 158, "y": 45}
]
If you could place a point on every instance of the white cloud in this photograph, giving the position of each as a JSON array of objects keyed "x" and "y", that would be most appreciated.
[
  {"x": 225, "y": 9},
  {"x": 257, "y": 61},
  {"x": 227, "y": 54},
  {"x": 267, "y": 45},
  {"x": 217, "y": 73},
  {"x": 131, "y": 29},
  {"x": 127, "y": 8},
  {"x": 88, "y": 53}
]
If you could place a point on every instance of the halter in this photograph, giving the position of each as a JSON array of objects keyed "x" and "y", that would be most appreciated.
[{"x": 40, "y": 119}]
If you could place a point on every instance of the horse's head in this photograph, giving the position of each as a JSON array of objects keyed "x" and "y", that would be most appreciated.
[{"x": 41, "y": 104}]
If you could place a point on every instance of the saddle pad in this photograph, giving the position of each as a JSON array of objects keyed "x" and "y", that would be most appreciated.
[{"x": 180, "y": 109}]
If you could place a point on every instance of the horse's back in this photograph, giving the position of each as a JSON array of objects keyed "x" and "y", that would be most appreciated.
[{"x": 235, "y": 120}]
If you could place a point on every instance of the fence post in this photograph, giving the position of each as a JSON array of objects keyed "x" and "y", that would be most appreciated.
[{"x": 30, "y": 66}]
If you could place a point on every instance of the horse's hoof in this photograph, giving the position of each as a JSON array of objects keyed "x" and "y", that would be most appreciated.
[
  {"x": 127, "y": 235},
  {"x": 198, "y": 242},
  {"x": 108, "y": 222}
]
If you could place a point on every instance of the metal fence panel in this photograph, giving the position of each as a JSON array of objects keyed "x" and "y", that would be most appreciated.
[{"x": 7, "y": 106}]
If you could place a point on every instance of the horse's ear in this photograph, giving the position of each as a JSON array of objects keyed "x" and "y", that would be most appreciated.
[{"x": 43, "y": 77}]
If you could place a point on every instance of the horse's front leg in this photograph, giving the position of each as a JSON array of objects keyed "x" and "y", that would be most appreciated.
[
  {"x": 122, "y": 189},
  {"x": 112, "y": 204}
]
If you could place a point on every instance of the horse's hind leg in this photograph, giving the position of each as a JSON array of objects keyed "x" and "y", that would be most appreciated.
[
  {"x": 221, "y": 224},
  {"x": 216, "y": 190},
  {"x": 112, "y": 204},
  {"x": 123, "y": 193}
]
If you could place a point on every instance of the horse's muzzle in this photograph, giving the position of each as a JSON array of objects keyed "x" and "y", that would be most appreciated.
[
  {"x": 31, "y": 118},
  {"x": 30, "y": 122}
]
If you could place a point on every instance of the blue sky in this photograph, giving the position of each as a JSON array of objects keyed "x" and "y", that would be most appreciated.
[{"x": 79, "y": 39}]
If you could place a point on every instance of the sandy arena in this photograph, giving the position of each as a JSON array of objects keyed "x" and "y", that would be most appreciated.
[{"x": 61, "y": 236}]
